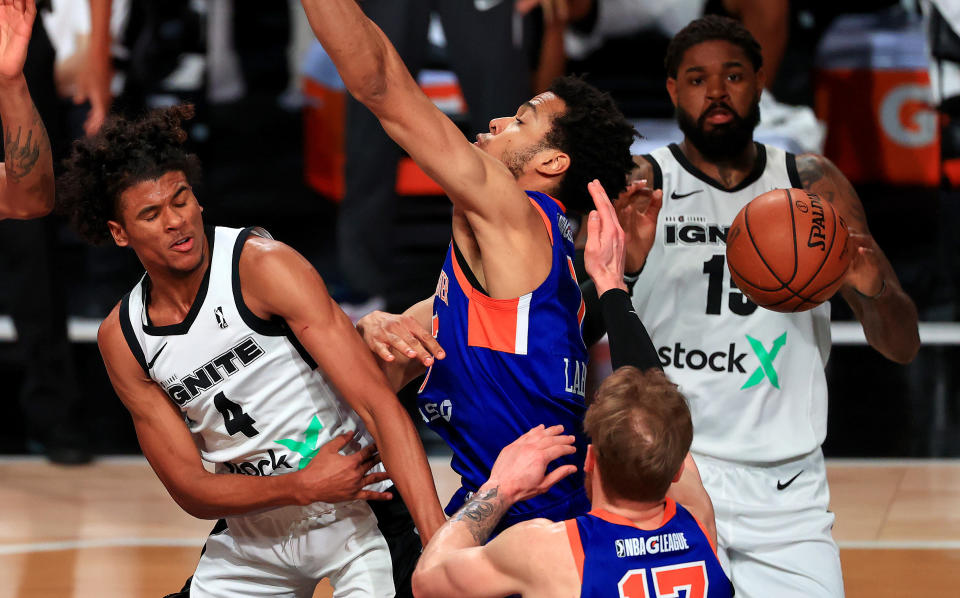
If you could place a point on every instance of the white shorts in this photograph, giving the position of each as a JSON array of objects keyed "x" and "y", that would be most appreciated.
[
  {"x": 774, "y": 527},
  {"x": 285, "y": 552}
]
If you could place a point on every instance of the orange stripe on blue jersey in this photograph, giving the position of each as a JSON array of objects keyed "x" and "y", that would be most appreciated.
[
  {"x": 435, "y": 329},
  {"x": 543, "y": 215},
  {"x": 576, "y": 547},
  {"x": 497, "y": 324},
  {"x": 583, "y": 306}
]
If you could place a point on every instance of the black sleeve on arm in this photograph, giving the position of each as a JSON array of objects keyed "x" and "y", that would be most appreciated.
[
  {"x": 629, "y": 342},
  {"x": 593, "y": 325}
]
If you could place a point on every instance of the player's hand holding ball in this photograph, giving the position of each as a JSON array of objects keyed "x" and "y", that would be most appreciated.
[{"x": 788, "y": 250}]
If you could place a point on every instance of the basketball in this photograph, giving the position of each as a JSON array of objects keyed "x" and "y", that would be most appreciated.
[{"x": 787, "y": 250}]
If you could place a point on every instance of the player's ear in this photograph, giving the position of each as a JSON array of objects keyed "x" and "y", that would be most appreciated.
[
  {"x": 672, "y": 90},
  {"x": 119, "y": 235},
  {"x": 553, "y": 163},
  {"x": 676, "y": 478},
  {"x": 590, "y": 462}
]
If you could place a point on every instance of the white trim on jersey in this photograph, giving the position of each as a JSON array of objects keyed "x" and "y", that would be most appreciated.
[{"x": 523, "y": 323}]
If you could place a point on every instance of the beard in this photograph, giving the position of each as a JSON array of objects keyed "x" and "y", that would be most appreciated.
[
  {"x": 724, "y": 141},
  {"x": 516, "y": 161}
]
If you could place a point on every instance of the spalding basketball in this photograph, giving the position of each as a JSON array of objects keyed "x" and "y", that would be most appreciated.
[{"x": 787, "y": 250}]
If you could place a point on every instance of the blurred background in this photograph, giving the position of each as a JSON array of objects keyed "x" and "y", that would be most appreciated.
[{"x": 874, "y": 85}]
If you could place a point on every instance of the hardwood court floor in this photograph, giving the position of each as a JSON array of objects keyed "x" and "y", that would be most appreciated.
[{"x": 110, "y": 530}]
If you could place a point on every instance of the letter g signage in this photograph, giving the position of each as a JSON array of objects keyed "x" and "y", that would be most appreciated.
[{"x": 906, "y": 116}]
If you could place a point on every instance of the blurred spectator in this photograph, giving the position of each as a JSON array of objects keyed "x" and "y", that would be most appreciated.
[
  {"x": 50, "y": 394},
  {"x": 484, "y": 46}
]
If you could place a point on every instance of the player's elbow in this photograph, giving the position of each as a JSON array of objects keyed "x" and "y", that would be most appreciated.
[
  {"x": 196, "y": 508},
  {"x": 899, "y": 345},
  {"x": 36, "y": 206},
  {"x": 905, "y": 352},
  {"x": 424, "y": 582},
  {"x": 371, "y": 89}
]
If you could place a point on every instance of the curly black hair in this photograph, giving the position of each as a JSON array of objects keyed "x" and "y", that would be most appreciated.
[
  {"x": 709, "y": 28},
  {"x": 596, "y": 136},
  {"x": 124, "y": 153}
]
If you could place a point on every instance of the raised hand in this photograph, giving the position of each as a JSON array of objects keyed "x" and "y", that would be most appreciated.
[
  {"x": 16, "y": 24},
  {"x": 604, "y": 252},
  {"x": 520, "y": 469},
  {"x": 637, "y": 209},
  {"x": 332, "y": 477}
]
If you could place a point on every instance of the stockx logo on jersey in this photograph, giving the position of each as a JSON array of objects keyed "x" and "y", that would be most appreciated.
[
  {"x": 309, "y": 448},
  {"x": 766, "y": 369},
  {"x": 729, "y": 360}
]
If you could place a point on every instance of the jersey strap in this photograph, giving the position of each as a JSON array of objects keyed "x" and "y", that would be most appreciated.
[{"x": 576, "y": 546}]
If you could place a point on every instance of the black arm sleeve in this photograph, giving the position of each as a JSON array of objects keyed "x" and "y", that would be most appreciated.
[
  {"x": 629, "y": 342},
  {"x": 594, "y": 324}
]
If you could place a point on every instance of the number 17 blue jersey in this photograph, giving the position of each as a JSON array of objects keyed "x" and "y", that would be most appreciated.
[{"x": 617, "y": 558}]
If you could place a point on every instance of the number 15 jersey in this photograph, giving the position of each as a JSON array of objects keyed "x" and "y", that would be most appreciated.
[{"x": 753, "y": 378}]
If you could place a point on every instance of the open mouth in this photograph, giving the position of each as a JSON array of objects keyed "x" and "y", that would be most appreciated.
[{"x": 183, "y": 244}]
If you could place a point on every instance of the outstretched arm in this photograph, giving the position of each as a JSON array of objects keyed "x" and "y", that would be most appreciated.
[
  {"x": 375, "y": 74},
  {"x": 168, "y": 446},
  {"x": 629, "y": 342},
  {"x": 604, "y": 258},
  {"x": 26, "y": 176},
  {"x": 886, "y": 312},
  {"x": 278, "y": 281},
  {"x": 498, "y": 216}
]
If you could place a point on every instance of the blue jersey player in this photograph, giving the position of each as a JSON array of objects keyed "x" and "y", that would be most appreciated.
[
  {"x": 506, "y": 293},
  {"x": 511, "y": 364},
  {"x": 635, "y": 541}
]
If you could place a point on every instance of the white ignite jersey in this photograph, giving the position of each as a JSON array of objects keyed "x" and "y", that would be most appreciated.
[
  {"x": 250, "y": 394},
  {"x": 754, "y": 378}
]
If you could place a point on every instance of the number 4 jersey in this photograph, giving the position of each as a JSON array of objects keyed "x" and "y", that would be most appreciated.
[
  {"x": 249, "y": 393},
  {"x": 614, "y": 555},
  {"x": 753, "y": 378}
]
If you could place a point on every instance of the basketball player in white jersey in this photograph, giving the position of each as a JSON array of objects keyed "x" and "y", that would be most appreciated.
[
  {"x": 215, "y": 353},
  {"x": 754, "y": 378},
  {"x": 26, "y": 175}
]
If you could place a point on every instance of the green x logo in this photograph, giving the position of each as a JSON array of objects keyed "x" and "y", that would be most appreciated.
[
  {"x": 766, "y": 369},
  {"x": 308, "y": 448}
]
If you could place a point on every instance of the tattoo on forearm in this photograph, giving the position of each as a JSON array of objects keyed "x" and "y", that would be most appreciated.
[
  {"x": 22, "y": 149},
  {"x": 481, "y": 514},
  {"x": 811, "y": 173},
  {"x": 815, "y": 179}
]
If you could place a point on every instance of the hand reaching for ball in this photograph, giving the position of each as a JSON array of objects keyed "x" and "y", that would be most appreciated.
[{"x": 637, "y": 209}]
